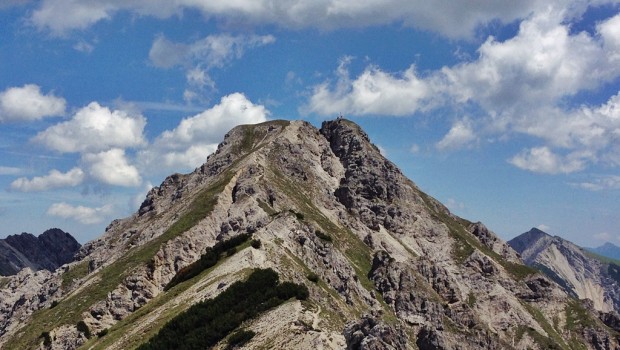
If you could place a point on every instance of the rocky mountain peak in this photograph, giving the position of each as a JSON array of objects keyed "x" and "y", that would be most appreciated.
[
  {"x": 386, "y": 266},
  {"x": 49, "y": 250}
]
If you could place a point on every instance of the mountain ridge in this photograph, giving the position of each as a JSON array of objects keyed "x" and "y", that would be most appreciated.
[
  {"x": 578, "y": 271},
  {"x": 49, "y": 250},
  {"x": 386, "y": 265}
]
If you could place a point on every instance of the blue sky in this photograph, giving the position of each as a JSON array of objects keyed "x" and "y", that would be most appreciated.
[{"x": 508, "y": 112}]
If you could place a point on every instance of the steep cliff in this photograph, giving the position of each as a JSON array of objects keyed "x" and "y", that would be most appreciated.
[
  {"x": 386, "y": 266},
  {"x": 581, "y": 273}
]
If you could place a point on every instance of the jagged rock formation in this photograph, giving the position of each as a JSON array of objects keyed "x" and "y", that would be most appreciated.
[
  {"x": 580, "y": 273},
  {"x": 387, "y": 266},
  {"x": 50, "y": 250}
]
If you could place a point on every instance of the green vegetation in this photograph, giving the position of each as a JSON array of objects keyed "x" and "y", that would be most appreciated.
[
  {"x": 299, "y": 216},
  {"x": 47, "y": 339},
  {"x": 206, "y": 323},
  {"x": 313, "y": 277},
  {"x": 208, "y": 259},
  {"x": 120, "y": 329},
  {"x": 82, "y": 327},
  {"x": 76, "y": 272},
  {"x": 358, "y": 253},
  {"x": 601, "y": 258},
  {"x": 239, "y": 338},
  {"x": 465, "y": 243},
  {"x": 544, "y": 342},
  {"x": 70, "y": 309},
  {"x": 4, "y": 281},
  {"x": 266, "y": 208},
  {"x": 255, "y": 243},
  {"x": 255, "y": 133},
  {"x": 323, "y": 236},
  {"x": 577, "y": 317},
  {"x": 554, "y": 341},
  {"x": 471, "y": 299}
]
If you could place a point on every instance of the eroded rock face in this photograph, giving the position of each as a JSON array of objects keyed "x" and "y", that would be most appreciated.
[
  {"x": 579, "y": 273},
  {"x": 330, "y": 212},
  {"x": 368, "y": 333}
]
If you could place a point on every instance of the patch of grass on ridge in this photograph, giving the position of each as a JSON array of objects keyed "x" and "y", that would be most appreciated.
[
  {"x": 124, "y": 326},
  {"x": 77, "y": 271},
  {"x": 356, "y": 251},
  {"x": 69, "y": 310},
  {"x": 465, "y": 242}
]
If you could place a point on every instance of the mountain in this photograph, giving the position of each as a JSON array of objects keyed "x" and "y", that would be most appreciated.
[
  {"x": 581, "y": 273},
  {"x": 49, "y": 250},
  {"x": 608, "y": 250},
  {"x": 293, "y": 237}
]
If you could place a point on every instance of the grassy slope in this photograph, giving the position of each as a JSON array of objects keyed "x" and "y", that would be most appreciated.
[{"x": 70, "y": 309}]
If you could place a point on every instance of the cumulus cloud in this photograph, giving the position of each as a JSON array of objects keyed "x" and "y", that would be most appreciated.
[
  {"x": 519, "y": 85},
  {"x": 112, "y": 167},
  {"x": 55, "y": 179},
  {"x": 94, "y": 128},
  {"x": 201, "y": 56},
  {"x": 374, "y": 92},
  {"x": 84, "y": 215},
  {"x": 27, "y": 103},
  {"x": 460, "y": 135},
  {"x": 188, "y": 145},
  {"x": 453, "y": 19},
  {"x": 601, "y": 183},
  {"x": 543, "y": 160}
]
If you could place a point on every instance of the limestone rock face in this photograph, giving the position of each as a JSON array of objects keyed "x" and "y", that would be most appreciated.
[
  {"x": 386, "y": 265},
  {"x": 581, "y": 274},
  {"x": 50, "y": 250}
]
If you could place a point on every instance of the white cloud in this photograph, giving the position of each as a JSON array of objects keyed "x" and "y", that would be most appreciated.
[
  {"x": 84, "y": 215},
  {"x": 201, "y": 56},
  {"x": 415, "y": 148},
  {"x": 450, "y": 18},
  {"x": 374, "y": 92},
  {"x": 94, "y": 128},
  {"x": 460, "y": 135},
  {"x": 603, "y": 236},
  {"x": 8, "y": 170},
  {"x": 83, "y": 46},
  {"x": 543, "y": 227},
  {"x": 519, "y": 85},
  {"x": 26, "y": 103},
  {"x": 188, "y": 145},
  {"x": 55, "y": 179},
  {"x": 601, "y": 183},
  {"x": 112, "y": 167},
  {"x": 543, "y": 160},
  {"x": 454, "y": 205}
]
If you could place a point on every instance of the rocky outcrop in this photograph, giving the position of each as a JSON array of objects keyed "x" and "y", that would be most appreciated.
[
  {"x": 386, "y": 266},
  {"x": 368, "y": 333},
  {"x": 48, "y": 251},
  {"x": 580, "y": 274}
]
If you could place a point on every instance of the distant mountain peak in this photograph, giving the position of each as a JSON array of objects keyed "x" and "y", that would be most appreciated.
[{"x": 49, "y": 250}]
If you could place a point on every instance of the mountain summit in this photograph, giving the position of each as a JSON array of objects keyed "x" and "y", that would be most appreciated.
[
  {"x": 581, "y": 273},
  {"x": 373, "y": 262},
  {"x": 49, "y": 250}
]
